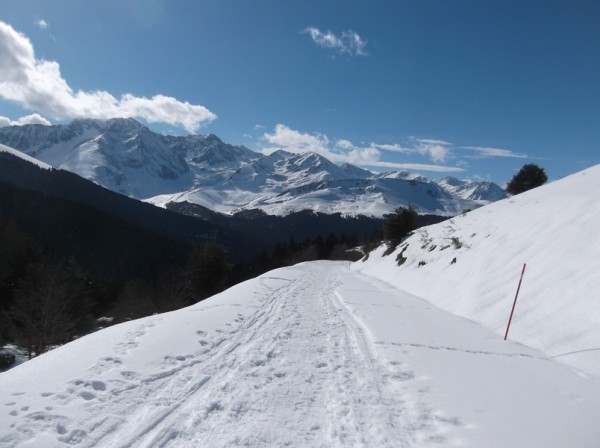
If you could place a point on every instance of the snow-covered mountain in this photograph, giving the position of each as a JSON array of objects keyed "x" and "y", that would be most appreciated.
[
  {"x": 125, "y": 156},
  {"x": 326, "y": 354},
  {"x": 472, "y": 191}
]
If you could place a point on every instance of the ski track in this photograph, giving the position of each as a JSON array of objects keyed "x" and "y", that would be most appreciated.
[{"x": 300, "y": 370}]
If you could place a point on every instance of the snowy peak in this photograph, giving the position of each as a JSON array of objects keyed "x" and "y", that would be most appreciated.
[
  {"x": 314, "y": 167},
  {"x": 127, "y": 157},
  {"x": 354, "y": 172},
  {"x": 213, "y": 152},
  {"x": 473, "y": 191}
]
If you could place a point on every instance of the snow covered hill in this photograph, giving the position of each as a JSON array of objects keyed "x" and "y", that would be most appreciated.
[
  {"x": 470, "y": 266},
  {"x": 23, "y": 156},
  {"x": 126, "y": 157},
  {"x": 312, "y": 355}
]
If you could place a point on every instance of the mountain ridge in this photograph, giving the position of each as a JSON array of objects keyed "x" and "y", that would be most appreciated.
[{"x": 127, "y": 157}]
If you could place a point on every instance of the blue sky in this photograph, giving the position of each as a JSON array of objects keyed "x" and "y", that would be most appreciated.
[{"x": 473, "y": 89}]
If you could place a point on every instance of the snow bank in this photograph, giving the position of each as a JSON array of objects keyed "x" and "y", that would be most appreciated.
[{"x": 470, "y": 266}]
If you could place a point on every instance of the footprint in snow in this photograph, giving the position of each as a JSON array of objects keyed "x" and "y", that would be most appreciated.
[
  {"x": 98, "y": 385},
  {"x": 215, "y": 406},
  {"x": 258, "y": 362},
  {"x": 87, "y": 395},
  {"x": 74, "y": 437},
  {"x": 403, "y": 376},
  {"x": 129, "y": 374}
]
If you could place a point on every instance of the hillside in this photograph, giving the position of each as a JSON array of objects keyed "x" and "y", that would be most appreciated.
[
  {"x": 470, "y": 266},
  {"x": 24, "y": 173},
  {"x": 244, "y": 234}
]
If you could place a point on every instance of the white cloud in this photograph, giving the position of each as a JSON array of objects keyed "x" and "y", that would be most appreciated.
[
  {"x": 418, "y": 167},
  {"x": 430, "y": 141},
  {"x": 393, "y": 148},
  {"x": 349, "y": 42},
  {"x": 29, "y": 119},
  {"x": 42, "y": 24},
  {"x": 38, "y": 85},
  {"x": 437, "y": 150},
  {"x": 364, "y": 156},
  {"x": 485, "y": 152},
  {"x": 298, "y": 142},
  {"x": 358, "y": 155},
  {"x": 343, "y": 150},
  {"x": 345, "y": 144}
]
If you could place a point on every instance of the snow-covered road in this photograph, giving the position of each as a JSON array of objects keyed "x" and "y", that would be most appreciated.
[{"x": 313, "y": 355}]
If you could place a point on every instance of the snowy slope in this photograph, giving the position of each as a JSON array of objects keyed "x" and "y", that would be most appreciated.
[
  {"x": 470, "y": 266},
  {"x": 127, "y": 157},
  {"x": 313, "y": 355},
  {"x": 14, "y": 152}
]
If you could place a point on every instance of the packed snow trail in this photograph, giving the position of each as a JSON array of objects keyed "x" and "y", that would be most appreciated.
[{"x": 313, "y": 355}]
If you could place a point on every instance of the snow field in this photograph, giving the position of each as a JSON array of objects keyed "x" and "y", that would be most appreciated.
[{"x": 312, "y": 355}]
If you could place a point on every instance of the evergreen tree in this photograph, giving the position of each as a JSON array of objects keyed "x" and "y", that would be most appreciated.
[
  {"x": 399, "y": 224},
  {"x": 528, "y": 177},
  {"x": 208, "y": 270}
]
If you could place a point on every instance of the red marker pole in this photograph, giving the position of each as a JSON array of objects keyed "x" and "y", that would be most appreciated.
[{"x": 515, "y": 302}]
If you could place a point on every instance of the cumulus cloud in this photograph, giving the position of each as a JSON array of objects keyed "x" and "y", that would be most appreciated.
[
  {"x": 345, "y": 144},
  {"x": 42, "y": 24},
  {"x": 368, "y": 156},
  {"x": 29, "y": 119},
  {"x": 343, "y": 150},
  {"x": 437, "y": 150},
  {"x": 295, "y": 141},
  {"x": 349, "y": 42},
  {"x": 38, "y": 85},
  {"x": 486, "y": 152}
]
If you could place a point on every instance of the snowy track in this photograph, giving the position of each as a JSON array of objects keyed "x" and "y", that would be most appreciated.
[{"x": 313, "y": 355}]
